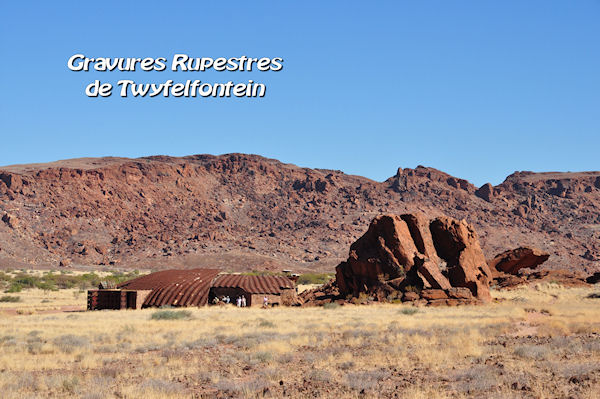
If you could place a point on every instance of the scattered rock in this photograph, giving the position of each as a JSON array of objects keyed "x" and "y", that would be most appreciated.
[
  {"x": 10, "y": 220},
  {"x": 565, "y": 278},
  {"x": 410, "y": 296},
  {"x": 594, "y": 278},
  {"x": 516, "y": 259},
  {"x": 433, "y": 294}
]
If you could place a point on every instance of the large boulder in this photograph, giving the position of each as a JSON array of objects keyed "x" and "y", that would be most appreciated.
[
  {"x": 485, "y": 192},
  {"x": 594, "y": 278},
  {"x": 384, "y": 252},
  {"x": 516, "y": 259},
  {"x": 410, "y": 253},
  {"x": 457, "y": 243}
]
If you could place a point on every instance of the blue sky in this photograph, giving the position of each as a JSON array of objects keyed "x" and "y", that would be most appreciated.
[{"x": 478, "y": 89}]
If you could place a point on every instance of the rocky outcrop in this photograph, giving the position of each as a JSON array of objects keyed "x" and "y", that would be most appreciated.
[
  {"x": 250, "y": 212},
  {"x": 411, "y": 258},
  {"x": 485, "y": 192},
  {"x": 10, "y": 220},
  {"x": 593, "y": 279},
  {"x": 516, "y": 259}
]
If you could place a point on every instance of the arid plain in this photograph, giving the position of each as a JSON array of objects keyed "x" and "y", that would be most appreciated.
[{"x": 541, "y": 341}]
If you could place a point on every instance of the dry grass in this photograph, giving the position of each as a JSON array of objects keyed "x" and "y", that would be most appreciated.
[
  {"x": 538, "y": 343},
  {"x": 35, "y": 300}
]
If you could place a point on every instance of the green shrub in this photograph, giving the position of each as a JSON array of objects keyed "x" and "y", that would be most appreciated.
[
  {"x": 8, "y": 298},
  {"x": 409, "y": 311},
  {"x": 51, "y": 281},
  {"x": 265, "y": 323},
  {"x": 331, "y": 305},
  {"x": 25, "y": 280},
  {"x": 171, "y": 315},
  {"x": 14, "y": 287},
  {"x": 46, "y": 286},
  {"x": 315, "y": 278}
]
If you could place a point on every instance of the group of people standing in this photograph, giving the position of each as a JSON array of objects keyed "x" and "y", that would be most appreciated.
[{"x": 241, "y": 301}]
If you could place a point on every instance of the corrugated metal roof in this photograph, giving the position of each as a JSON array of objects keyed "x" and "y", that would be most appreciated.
[
  {"x": 254, "y": 284},
  {"x": 191, "y": 287},
  {"x": 174, "y": 287}
]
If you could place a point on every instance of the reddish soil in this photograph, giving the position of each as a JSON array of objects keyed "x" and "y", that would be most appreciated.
[
  {"x": 241, "y": 212},
  {"x": 62, "y": 309}
]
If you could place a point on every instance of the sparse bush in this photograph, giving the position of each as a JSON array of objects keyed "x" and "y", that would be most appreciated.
[
  {"x": 50, "y": 281},
  {"x": 147, "y": 348},
  {"x": 576, "y": 370},
  {"x": 244, "y": 388},
  {"x": 315, "y": 278},
  {"x": 34, "y": 347},
  {"x": 532, "y": 352},
  {"x": 9, "y": 298},
  {"x": 8, "y": 339},
  {"x": 25, "y": 381},
  {"x": 105, "y": 349},
  {"x": 14, "y": 287},
  {"x": 409, "y": 311},
  {"x": 69, "y": 343},
  {"x": 476, "y": 378},
  {"x": 161, "y": 386},
  {"x": 265, "y": 323},
  {"x": 263, "y": 356},
  {"x": 346, "y": 365},
  {"x": 285, "y": 358},
  {"x": 127, "y": 329},
  {"x": 363, "y": 298},
  {"x": 169, "y": 354},
  {"x": 331, "y": 305},
  {"x": 171, "y": 315},
  {"x": 70, "y": 385},
  {"x": 365, "y": 380},
  {"x": 320, "y": 375}
]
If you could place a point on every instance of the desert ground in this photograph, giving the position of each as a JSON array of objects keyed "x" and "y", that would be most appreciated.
[{"x": 541, "y": 341}]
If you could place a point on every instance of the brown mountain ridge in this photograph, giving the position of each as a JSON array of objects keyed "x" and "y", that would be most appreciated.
[{"x": 242, "y": 212}]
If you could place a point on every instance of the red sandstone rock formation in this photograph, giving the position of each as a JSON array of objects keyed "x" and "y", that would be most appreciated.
[
  {"x": 250, "y": 212},
  {"x": 410, "y": 255},
  {"x": 516, "y": 259}
]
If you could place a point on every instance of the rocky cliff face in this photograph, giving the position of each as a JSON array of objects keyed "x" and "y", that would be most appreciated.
[{"x": 241, "y": 212}]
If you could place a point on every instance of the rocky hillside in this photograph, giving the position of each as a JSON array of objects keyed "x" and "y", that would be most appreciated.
[{"x": 241, "y": 212}]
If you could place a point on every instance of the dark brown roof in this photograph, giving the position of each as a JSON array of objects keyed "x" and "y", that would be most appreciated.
[
  {"x": 254, "y": 284},
  {"x": 191, "y": 287},
  {"x": 174, "y": 287}
]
